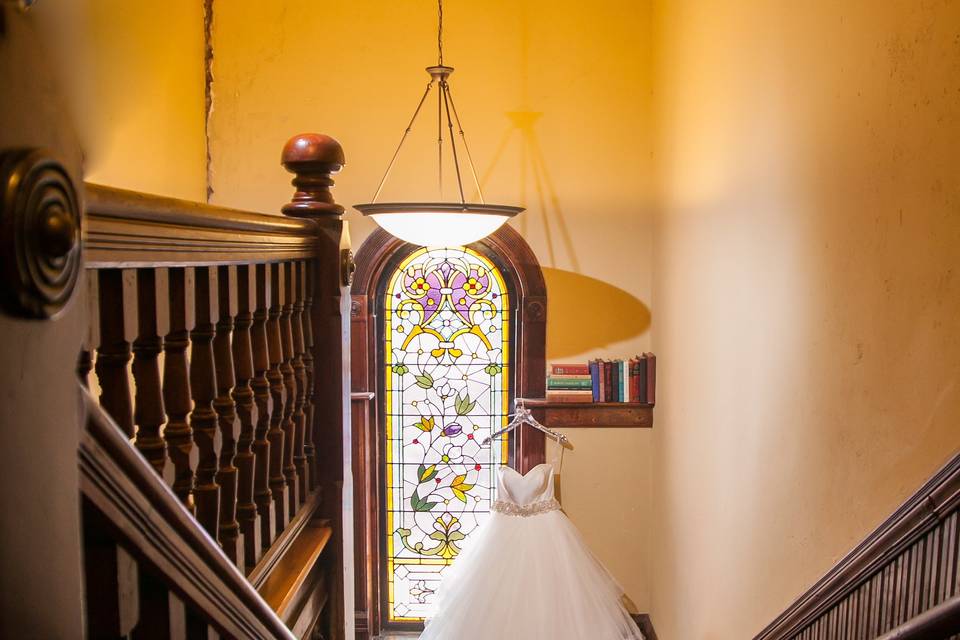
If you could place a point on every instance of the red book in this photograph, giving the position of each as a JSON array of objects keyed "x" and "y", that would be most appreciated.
[
  {"x": 651, "y": 378},
  {"x": 570, "y": 369},
  {"x": 634, "y": 380},
  {"x": 608, "y": 380},
  {"x": 642, "y": 376}
]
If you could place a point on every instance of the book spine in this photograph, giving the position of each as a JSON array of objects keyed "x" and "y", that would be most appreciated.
[
  {"x": 602, "y": 372},
  {"x": 608, "y": 379},
  {"x": 569, "y": 396},
  {"x": 651, "y": 378},
  {"x": 624, "y": 380},
  {"x": 570, "y": 369},
  {"x": 615, "y": 380},
  {"x": 595, "y": 379},
  {"x": 643, "y": 378},
  {"x": 584, "y": 383},
  {"x": 568, "y": 376},
  {"x": 635, "y": 379}
]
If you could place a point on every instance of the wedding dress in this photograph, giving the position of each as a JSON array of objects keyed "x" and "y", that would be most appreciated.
[{"x": 526, "y": 574}]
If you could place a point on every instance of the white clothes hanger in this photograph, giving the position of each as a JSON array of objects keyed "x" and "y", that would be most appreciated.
[{"x": 521, "y": 416}]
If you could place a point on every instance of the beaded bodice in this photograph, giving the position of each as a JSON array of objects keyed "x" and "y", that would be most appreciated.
[{"x": 525, "y": 495}]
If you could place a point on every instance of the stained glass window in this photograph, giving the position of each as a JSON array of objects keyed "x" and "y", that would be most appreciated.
[{"x": 447, "y": 330}]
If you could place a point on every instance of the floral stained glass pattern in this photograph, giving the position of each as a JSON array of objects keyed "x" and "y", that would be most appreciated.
[{"x": 447, "y": 328}]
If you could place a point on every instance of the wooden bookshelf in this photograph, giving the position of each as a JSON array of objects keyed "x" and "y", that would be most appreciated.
[{"x": 592, "y": 414}]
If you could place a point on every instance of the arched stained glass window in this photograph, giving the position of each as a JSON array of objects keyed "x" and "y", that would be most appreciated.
[{"x": 447, "y": 332}]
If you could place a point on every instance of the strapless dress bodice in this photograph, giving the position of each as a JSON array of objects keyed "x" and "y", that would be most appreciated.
[{"x": 525, "y": 494}]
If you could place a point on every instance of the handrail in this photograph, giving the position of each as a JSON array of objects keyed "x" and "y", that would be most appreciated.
[
  {"x": 116, "y": 478},
  {"x": 887, "y": 547},
  {"x": 133, "y": 229},
  {"x": 942, "y": 621}
]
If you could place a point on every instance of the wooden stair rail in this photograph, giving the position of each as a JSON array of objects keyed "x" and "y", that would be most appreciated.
[
  {"x": 902, "y": 581},
  {"x": 207, "y": 327},
  {"x": 139, "y": 515},
  {"x": 943, "y": 621}
]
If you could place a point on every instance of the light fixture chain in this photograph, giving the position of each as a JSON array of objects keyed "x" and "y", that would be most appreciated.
[
  {"x": 403, "y": 139},
  {"x": 444, "y": 88},
  {"x": 440, "y": 32},
  {"x": 463, "y": 136},
  {"x": 440, "y": 140}
]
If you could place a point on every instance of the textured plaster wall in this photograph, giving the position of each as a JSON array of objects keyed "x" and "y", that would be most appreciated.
[
  {"x": 132, "y": 75},
  {"x": 806, "y": 291}
]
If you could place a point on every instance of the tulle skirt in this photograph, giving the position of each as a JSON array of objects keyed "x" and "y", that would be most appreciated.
[{"x": 528, "y": 578}]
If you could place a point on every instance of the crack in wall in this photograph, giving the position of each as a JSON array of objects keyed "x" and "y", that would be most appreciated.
[{"x": 208, "y": 89}]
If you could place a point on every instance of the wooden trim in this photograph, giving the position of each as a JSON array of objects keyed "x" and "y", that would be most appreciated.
[
  {"x": 278, "y": 550},
  {"x": 116, "y": 479},
  {"x": 285, "y": 587},
  {"x": 646, "y": 625},
  {"x": 131, "y": 229},
  {"x": 519, "y": 265},
  {"x": 929, "y": 508},
  {"x": 593, "y": 414},
  {"x": 940, "y": 622}
]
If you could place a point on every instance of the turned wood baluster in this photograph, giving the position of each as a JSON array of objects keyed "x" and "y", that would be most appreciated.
[
  {"x": 148, "y": 401},
  {"x": 203, "y": 384},
  {"x": 229, "y": 528},
  {"x": 290, "y": 386},
  {"x": 300, "y": 373},
  {"x": 308, "y": 440},
  {"x": 116, "y": 311},
  {"x": 261, "y": 393},
  {"x": 176, "y": 384},
  {"x": 91, "y": 280},
  {"x": 278, "y": 486},
  {"x": 243, "y": 397}
]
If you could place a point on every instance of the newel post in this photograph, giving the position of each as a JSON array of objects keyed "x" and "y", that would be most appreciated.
[{"x": 313, "y": 159}]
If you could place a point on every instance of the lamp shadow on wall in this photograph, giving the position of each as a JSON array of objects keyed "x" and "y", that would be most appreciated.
[
  {"x": 585, "y": 314},
  {"x": 533, "y": 172}
]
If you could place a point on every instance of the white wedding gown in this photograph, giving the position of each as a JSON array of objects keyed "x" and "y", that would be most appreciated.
[{"x": 526, "y": 574}]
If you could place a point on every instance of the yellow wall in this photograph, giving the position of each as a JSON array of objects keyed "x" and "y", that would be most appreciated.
[
  {"x": 132, "y": 74},
  {"x": 554, "y": 97},
  {"x": 807, "y": 291}
]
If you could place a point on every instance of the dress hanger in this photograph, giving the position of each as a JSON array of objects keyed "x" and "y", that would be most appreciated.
[{"x": 521, "y": 416}]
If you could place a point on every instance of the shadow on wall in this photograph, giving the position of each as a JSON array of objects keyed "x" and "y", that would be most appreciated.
[{"x": 587, "y": 314}]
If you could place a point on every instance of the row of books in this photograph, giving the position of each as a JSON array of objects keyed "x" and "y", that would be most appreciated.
[{"x": 632, "y": 380}]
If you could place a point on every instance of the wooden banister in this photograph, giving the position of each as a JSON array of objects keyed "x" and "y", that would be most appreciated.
[
  {"x": 130, "y": 229},
  {"x": 219, "y": 317},
  {"x": 943, "y": 621},
  {"x": 151, "y": 523},
  {"x": 895, "y": 580}
]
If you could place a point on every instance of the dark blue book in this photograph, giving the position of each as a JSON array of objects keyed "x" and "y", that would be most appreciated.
[{"x": 595, "y": 379}]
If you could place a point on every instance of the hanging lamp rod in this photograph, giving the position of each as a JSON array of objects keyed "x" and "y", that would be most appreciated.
[{"x": 439, "y": 75}]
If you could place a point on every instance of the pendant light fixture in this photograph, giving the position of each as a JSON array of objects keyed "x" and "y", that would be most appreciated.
[{"x": 439, "y": 223}]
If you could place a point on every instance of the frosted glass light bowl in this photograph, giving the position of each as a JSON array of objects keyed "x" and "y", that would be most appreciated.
[{"x": 436, "y": 224}]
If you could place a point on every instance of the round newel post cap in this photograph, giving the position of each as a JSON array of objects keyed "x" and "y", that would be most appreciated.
[{"x": 313, "y": 158}]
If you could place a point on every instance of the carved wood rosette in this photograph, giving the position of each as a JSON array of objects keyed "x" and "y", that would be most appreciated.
[{"x": 39, "y": 234}]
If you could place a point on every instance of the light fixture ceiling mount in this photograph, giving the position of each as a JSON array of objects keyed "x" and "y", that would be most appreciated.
[{"x": 450, "y": 223}]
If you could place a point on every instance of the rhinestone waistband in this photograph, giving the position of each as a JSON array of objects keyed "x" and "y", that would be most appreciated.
[{"x": 527, "y": 510}]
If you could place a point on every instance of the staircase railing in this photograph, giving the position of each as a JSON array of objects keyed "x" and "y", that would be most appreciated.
[
  {"x": 902, "y": 581},
  {"x": 149, "y": 569},
  {"x": 215, "y": 347}
]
